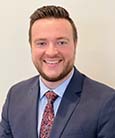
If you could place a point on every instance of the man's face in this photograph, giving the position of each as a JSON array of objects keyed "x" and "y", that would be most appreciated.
[{"x": 53, "y": 48}]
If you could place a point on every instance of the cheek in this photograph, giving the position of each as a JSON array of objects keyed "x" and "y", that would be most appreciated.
[
  {"x": 69, "y": 53},
  {"x": 35, "y": 53},
  {"x": 35, "y": 56}
]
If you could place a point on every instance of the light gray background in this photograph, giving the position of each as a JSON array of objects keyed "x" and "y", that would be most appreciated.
[{"x": 95, "y": 20}]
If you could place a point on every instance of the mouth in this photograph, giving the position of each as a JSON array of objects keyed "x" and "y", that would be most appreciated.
[{"x": 52, "y": 62}]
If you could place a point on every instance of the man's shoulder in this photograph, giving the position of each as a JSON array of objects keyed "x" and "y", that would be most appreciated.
[
  {"x": 25, "y": 85},
  {"x": 29, "y": 81},
  {"x": 97, "y": 86},
  {"x": 91, "y": 84}
]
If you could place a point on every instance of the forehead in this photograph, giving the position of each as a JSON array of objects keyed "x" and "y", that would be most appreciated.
[{"x": 51, "y": 24}]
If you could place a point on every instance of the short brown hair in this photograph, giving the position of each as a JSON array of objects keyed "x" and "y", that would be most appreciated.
[{"x": 52, "y": 12}]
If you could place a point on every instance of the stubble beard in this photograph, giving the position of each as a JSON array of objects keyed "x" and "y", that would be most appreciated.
[{"x": 67, "y": 69}]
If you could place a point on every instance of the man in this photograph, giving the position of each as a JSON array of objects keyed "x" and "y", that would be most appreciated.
[{"x": 83, "y": 108}]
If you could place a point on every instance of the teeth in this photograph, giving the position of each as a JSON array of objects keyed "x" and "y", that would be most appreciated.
[{"x": 52, "y": 62}]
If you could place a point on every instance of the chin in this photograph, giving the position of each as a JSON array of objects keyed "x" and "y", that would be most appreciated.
[
  {"x": 52, "y": 79},
  {"x": 55, "y": 78}
]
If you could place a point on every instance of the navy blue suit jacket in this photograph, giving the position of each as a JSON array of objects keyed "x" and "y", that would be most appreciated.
[{"x": 87, "y": 110}]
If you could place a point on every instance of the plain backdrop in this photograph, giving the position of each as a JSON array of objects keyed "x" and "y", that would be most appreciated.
[{"x": 95, "y": 56}]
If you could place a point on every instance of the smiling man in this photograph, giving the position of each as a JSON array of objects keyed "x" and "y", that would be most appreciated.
[
  {"x": 60, "y": 102},
  {"x": 53, "y": 53}
]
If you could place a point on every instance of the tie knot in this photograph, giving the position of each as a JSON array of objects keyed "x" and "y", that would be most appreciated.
[{"x": 51, "y": 96}]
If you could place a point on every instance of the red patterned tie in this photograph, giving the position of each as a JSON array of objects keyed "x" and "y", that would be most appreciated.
[{"x": 48, "y": 116}]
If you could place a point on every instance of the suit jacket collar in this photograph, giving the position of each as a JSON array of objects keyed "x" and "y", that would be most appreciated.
[
  {"x": 69, "y": 102},
  {"x": 32, "y": 117}
]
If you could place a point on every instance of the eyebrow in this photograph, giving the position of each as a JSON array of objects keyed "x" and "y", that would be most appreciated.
[
  {"x": 62, "y": 38},
  {"x": 39, "y": 39},
  {"x": 44, "y": 39}
]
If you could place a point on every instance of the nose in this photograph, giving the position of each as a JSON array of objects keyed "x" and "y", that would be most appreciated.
[{"x": 51, "y": 50}]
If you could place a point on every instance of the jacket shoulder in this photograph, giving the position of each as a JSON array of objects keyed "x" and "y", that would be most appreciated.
[
  {"x": 96, "y": 86},
  {"x": 25, "y": 85}
]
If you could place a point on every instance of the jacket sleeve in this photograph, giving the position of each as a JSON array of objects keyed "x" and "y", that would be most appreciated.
[{"x": 5, "y": 130}]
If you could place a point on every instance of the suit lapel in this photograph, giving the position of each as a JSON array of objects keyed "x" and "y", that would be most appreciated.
[
  {"x": 31, "y": 119},
  {"x": 69, "y": 102}
]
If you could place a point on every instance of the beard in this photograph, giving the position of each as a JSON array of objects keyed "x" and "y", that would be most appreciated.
[{"x": 66, "y": 70}]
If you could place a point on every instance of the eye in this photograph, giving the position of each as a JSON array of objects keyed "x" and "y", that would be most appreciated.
[
  {"x": 40, "y": 43},
  {"x": 62, "y": 42}
]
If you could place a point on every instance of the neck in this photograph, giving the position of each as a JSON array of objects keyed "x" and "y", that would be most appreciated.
[{"x": 53, "y": 85}]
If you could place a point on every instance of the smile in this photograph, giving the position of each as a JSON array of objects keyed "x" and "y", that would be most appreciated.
[{"x": 52, "y": 61}]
